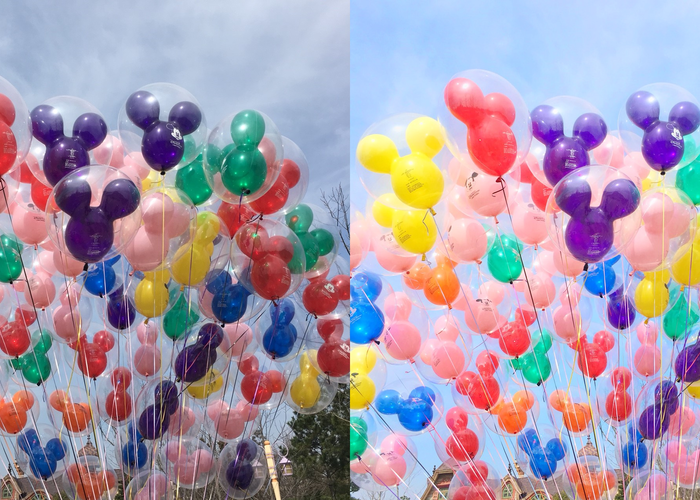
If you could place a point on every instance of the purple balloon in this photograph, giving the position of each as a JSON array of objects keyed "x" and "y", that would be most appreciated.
[
  {"x": 246, "y": 450},
  {"x": 167, "y": 396},
  {"x": 654, "y": 421},
  {"x": 642, "y": 109},
  {"x": 187, "y": 116},
  {"x": 120, "y": 198},
  {"x": 73, "y": 195},
  {"x": 239, "y": 474},
  {"x": 620, "y": 198},
  {"x": 686, "y": 115},
  {"x": 121, "y": 311},
  {"x": 143, "y": 109},
  {"x": 193, "y": 362},
  {"x": 687, "y": 364},
  {"x": 89, "y": 235},
  {"x": 591, "y": 129},
  {"x": 662, "y": 145},
  {"x": 47, "y": 124},
  {"x": 91, "y": 129},
  {"x": 620, "y": 311},
  {"x": 153, "y": 422},
  {"x": 573, "y": 194},
  {"x": 64, "y": 156},
  {"x": 162, "y": 146},
  {"x": 211, "y": 336},
  {"x": 589, "y": 235},
  {"x": 547, "y": 124},
  {"x": 564, "y": 156}
]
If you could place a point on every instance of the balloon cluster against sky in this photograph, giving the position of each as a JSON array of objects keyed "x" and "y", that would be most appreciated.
[
  {"x": 164, "y": 285},
  {"x": 525, "y": 294}
]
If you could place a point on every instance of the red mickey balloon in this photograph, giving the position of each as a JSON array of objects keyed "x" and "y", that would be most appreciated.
[
  {"x": 8, "y": 143},
  {"x": 320, "y": 297},
  {"x": 118, "y": 404},
  {"x": 291, "y": 172},
  {"x": 252, "y": 239},
  {"x": 92, "y": 359},
  {"x": 274, "y": 199},
  {"x": 270, "y": 277},
  {"x": 333, "y": 357},
  {"x": 234, "y": 216},
  {"x": 14, "y": 338},
  {"x": 463, "y": 445},
  {"x": 281, "y": 247},
  {"x": 342, "y": 286},
  {"x": 256, "y": 388}
]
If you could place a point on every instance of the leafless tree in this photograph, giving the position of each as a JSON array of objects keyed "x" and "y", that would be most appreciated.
[{"x": 338, "y": 207}]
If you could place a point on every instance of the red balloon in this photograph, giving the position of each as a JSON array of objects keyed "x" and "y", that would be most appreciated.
[
  {"x": 605, "y": 340},
  {"x": 621, "y": 377},
  {"x": 456, "y": 419},
  {"x": 234, "y": 216},
  {"x": 92, "y": 359},
  {"x": 25, "y": 314},
  {"x": 121, "y": 377},
  {"x": 341, "y": 282},
  {"x": 274, "y": 199},
  {"x": 329, "y": 327},
  {"x": 271, "y": 278},
  {"x": 526, "y": 175},
  {"x": 40, "y": 194},
  {"x": 484, "y": 392},
  {"x": 527, "y": 314},
  {"x": 320, "y": 297},
  {"x": 281, "y": 247},
  {"x": 291, "y": 172},
  {"x": 514, "y": 339},
  {"x": 14, "y": 338},
  {"x": 248, "y": 363},
  {"x": 540, "y": 194},
  {"x": 618, "y": 404},
  {"x": 487, "y": 363},
  {"x": 252, "y": 240},
  {"x": 462, "y": 445},
  {"x": 118, "y": 405},
  {"x": 333, "y": 357},
  {"x": 104, "y": 339},
  {"x": 592, "y": 360},
  {"x": 8, "y": 148},
  {"x": 256, "y": 388},
  {"x": 477, "y": 472},
  {"x": 276, "y": 380},
  {"x": 7, "y": 110},
  {"x": 25, "y": 171}
]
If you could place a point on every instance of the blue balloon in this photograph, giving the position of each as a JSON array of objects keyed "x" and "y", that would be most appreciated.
[
  {"x": 42, "y": 463},
  {"x": 278, "y": 341},
  {"x": 365, "y": 286},
  {"x": 556, "y": 447},
  {"x": 600, "y": 279},
  {"x": 542, "y": 463},
  {"x": 134, "y": 455},
  {"x": 388, "y": 402},
  {"x": 415, "y": 415},
  {"x": 634, "y": 434},
  {"x": 366, "y": 322},
  {"x": 217, "y": 280},
  {"x": 27, "y": 440},
  {"x": 113, "y": 260},
  {"x": 282, "y": 313},
  {"x": 230, "y": 304},
  {"x": 56, "y": 447},
  {"x": 634, "y": 455},
  {"x": 100, "y": 279},
  {"x": 528, "y": 440},
  {"x": 424, "y": 393},
  {"x": 133, "y": 433}
]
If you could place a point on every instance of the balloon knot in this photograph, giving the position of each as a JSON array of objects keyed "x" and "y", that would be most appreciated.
[
  {"x": 145, "y": 321},
  {"x": 478, "y": 262},
  {"x": 432, "y": 212},
  {"x": 162, "y": 173},
  {"x": 377, "y": 342},
  {"x": 646, "y": 321},
  {"x": 585, "y": 267},
  {"x": 422, "y": 259},
  {"x": 85, "y": 267},
  {"x": 663, "y": 172},
  {"x": 496, "y": 219}
]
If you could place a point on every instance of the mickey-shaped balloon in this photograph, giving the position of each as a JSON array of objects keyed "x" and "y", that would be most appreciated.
[
  {"x": 163, "y": 144},
  {"x": 618, "y": 402},
  {"x": 544, "y": 459},
  {"x": 239, "y": 472},
  {"x": 89, "y": 233},
  {"x": 463, "y": 443},
  {"x": 589, "y": 233},
  {"x": 118, "y": 404},
  {"x": 482, "y": 389},
  {"x": 43, "y": 460},
  {"x": 121, "y": 311},
  {"x": 662, "y": 143},
  {"x": 280, "y": 336},
  {"x": 257, "y": 386},
  {"x": 155, "y": 418},
  {"x": 230, "y": 300},
  {"x": 535, "y": 365},
  {"x": 415, "y": 412},
  {"x": 134, "y": 453},
  {"x": 194, "y": 361},
  {"x": 35, "y": 364},
  {"x": 635, "y": 453},
  {"x": 65, "y": 154},
  {"x": 592, "y": 356},
  {"x": 565, "y": 154},
  {"x": 620, "y": 310},
  {"x": 655, "y": 419},
  {"x": 8, "y": 141}
]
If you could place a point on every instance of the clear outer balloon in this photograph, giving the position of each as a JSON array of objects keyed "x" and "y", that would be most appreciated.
[
  {"x": 592, "y": 213},
  {"x": 459, "y": 437},
  {"x": 19, "y": 408},
  {"x": 244, "y": 156},
  {"x": 476, "y": 479},
  {"x": 241, "y": 469},
  {"x": 41, "y": 452},
  {"x": 70, "y": 410},
  {"x": 164, "y": 124},
  {"x": 230, "y": 422},
  {"x": 652, "y": 484},
  {"x": 295, "y": 171},
  {"x": 388, "y": 464},
  {"x": 571, "y": 411},
  {"x": 360, "y": 238},
  {"x": 116, "y": 395},
  {"x": 268, "y": 259},
  {"x": 590, "y": 477},
  {"x": 410, "y": 409},
  {"x": 485, "y": 118},
  {"x": 262, "y": 382},
  {"x": 661, "y": 121},
  {"x": 88, "y": 478},
  {"x": 310, "y": 391},
  {"x": 69, "y": 128},
  {"x": 93, "y": 213},
  {"x": 15, "y": 128},
  {"x": 168, "y": 226},
  {"x": 149, "y": 485},
  {"x": 189, "y": 462}
]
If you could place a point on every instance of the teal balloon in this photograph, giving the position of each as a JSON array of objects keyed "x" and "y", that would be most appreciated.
[
  {"x": 192, "y": 181},
  {"x": 679, "y": 320},
  {"x": 10, "y": 258},
  {"x": 542, "y": 342},
  {"x": 325, "y": 240},
  {"x": 42, "y": 341},
  {"x": 358, "y": 437},
  {"x": 243, "y": 171},
  {"x": 300, "y": 218},
  {"x": 503, "y": 259},
  {"x": 688, "y": 181},
  {"x": 247, "y": 129},
  {"x": 36, "y": 367},
  {"x": 535, "y": 367},
  {"x": 180, "y": 318},
  {"x": 311, "y": 249},
  {"x": 515, "y": 363}
]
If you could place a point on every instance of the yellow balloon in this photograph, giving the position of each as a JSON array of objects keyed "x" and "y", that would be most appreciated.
[
  {"x": 651, "y": 297},
  {"x": 362, "y": 360},
  {"x": 305, "y": 391},
  {"x": 213, "y": 382},
  {"x": 151, "y": 297},
  {"x": 208, "y": 226},
  {"x": 192, "y": 266},
  {"x": 362, "y": 391},
  {"x": 306, "y": 363},
  {"x": 381, "y": 211},
  {"x": 694, "y": 390},
  {"x": 686, "y": 268},
  {"x": 424, "y": 135},
  {"x": 377, "y": 153},
  {"x": 417, "y": 181},
  {"x": 414, "y": 230}
]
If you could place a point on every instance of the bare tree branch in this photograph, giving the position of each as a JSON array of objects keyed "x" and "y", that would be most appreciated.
[{"x": 338, "y": 206}]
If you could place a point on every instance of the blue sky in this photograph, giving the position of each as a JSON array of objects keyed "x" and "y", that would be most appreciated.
[{"x": 404, "y": 52}]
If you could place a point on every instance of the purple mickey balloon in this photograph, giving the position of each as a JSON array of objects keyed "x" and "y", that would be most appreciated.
[
  {"x": 167, "y": 396},
  {"x": 662, "y": 142},
  {"x": 654, "y": 421},
  {"x": 687, "y": 364},
  {"x": 620, "y": 310},
  {"x": 153, "y": 422},
  {"x": 565, "y": 154},
  {"x": 47, "y": 123},
  {"x": 121, "y": 311},
  {"x": 120, "y": 198},
  {"x": 162, "y": 144},
  {"x": 192, "y": 363},
  {"x": 239, "y": 474}
]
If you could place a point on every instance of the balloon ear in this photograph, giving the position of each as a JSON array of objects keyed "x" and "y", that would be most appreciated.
[
  {"x": 591, "y": 129},
  {"x": 642, "y": 109},
  {"x": 7, "y": 110},
  {"x": 620, "y": 198},
  {"x": 465, "y": 100},
  {"x": 73, "y": 196},
  {"x": 547, "y": 124},
  {"x": 686, "y": 115},
  {"x": 499, "y": 106},
  {"x": 187, "y": 116},
  {"x": 120, "y": 198},
  {"x": 573, "y": 195},
  {"x": 91, "y": 129},
  {"x": 143, "y": 109},
  {"x": 47, "y": 124}
]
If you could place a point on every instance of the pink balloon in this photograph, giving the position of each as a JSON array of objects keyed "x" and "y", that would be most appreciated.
[
  {"x": 460, "y": 302},
  {"x": 402, "y": 340},
  {"x": 147, "y": 360},
  {"x": 67, "y": 323},
  {"x": 647, "y": 333},
  {"x": 229, "y": 424},
  {"x": 486, "y": 196},
  {"x": 480, "y": 314},
  {"x": 215, "y": 408},
  {"x": 568, "y": 324},
  {"x": 446, "y": 328},
  {"x": 541, "y": 292},
  {"x": 45, "y": 259},
  {"x": 41, "y": 289},
  {"x": 426, "y": 353},
  {"x": 566, "y": 264},
  {"x": 647, "y": 360},
  {"x": 173, "y": 450},
  {"x": 66, "y": 264},
  {"x": 646, "y": 251},
  {"x": 248, "y": 411},
  {"x": 185, "y": 471},
  {"x": 394, "y": 443},
  {"x": 204, "y": 460},
  {"x": 389, "y": 469},
  {"x": 237, "y": 339},
  {"x": 457, "y": 205},
  {"x": 681, "y": 421},
  {"x": 397, "y": 307},
  {"x": 390, "y": 255},
  {"x": 360, "y": 466},
  {"x": 492, "y": 290},
  {"x": 448, "y": 360},
  {"x": 458, "y": 172},
  {"x": 467, "y": 240},
  {"x": 181, "y": 421},
  {"x": 136, "y": 163},
  {"x": 29, "y": 225},
  {"x": 147, "y": 333},
  {"x": 610, "y": 152},
  {"x": 529, "y": 223}
]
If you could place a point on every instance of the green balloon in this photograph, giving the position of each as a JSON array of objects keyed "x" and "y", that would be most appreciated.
[
  {"x": 542, "y": 342},
  {"x": 688, "y": 181},
  {"x": 690, "y": 150},
  {"x": 358, "y": 437},
  {"x": 215, "y": 157},
  {"x": 535, "y": 367},
  {"x": 42, "y": 341},
  {"x": 325, "y": 240},
  {"x": 178, "y": 320},
  {"x": 247, "y": 129},
  {"x": 678, "y": 321},
  {"x": 295, "y": 266},
  {"x": 16, "y": 363},
  {"x": 36, "y": 369},
  {"x": 311, "y": 249},
  {"x": 515, "y": 363},
  {"x": 193, "y": 182},
  {"x": 243, "y": 171},
  {"x": 300, "y": 218},
  {"x": 503, "y": 259},
  {"x": 10, "y": 260}
]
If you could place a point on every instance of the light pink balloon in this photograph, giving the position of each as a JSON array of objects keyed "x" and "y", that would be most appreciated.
[
  {"x": 458, "y": 172},
  {"x": 681, "y": 422},
  {"x": 147, "y": 360},
  {"x": 647, "y": 360},
  {"x": 173, "y": 450},
  {"x": 687, "y": 469},
  {"x": 237, "y": 339},
  {"x": 360, "y": 466},
  {"x": 610, "y": 152},
  {"x": 647, "y": 333},
  {"x": 457, "y": 204},
  {"x": 181, "y": 421},
  {"x": 249, "y": 412},
  {"x": 204, "y": 460},
  {"x": 67, "y": 322},
  {"x": 426, "y": 353},
  {"x": 397, "y": 306},
  {"x": 480, "y": 315},
  {"x": 390, "y": 255},
  {"x": 136, "y": 162},
  {"x": 541, "y": 292},
  {"x": 229, "y": 424},
  {"x": 117, "y": 159},
  {"x": 467, "y": 240},
  {"x": 448, "y": 360},
  {"x": 529, "y": 223},
  {"x": 389, "y": 469},
  {"x": 646, "y": 251},
  {"x": 29, "y": 225},
  {"x": 486, "y": 196},
  {"x": 570, "y": 294},
  {"x": 394, "y": 443},
  {"x": 446, "y": 328},
  {"x": 492, "y": 290},
  {"x": 567, "y": 323},
  {"x": 185, "y": 471},
  {"x": 215, "y": 408},
  {"x": 41, "y": 289},
  {"x": 45, "y": 259},
  {"x": 566, "y": 264},
  {"x": 402, "y": 340},
  {"x": 66, "y": 264},
  {"x": 147, "y": 333}
]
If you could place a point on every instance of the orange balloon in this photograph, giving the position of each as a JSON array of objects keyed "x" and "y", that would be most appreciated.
[
  {"x": 23, "y": 400},
  {"x": 577, "y": 417},
  {"x": 442, "y": 287},
  {"x": 573, "y": 473},
  {"x": 58, "y": 400},
  {"x": 512, "y": 419},
  {"x": 524, "y": 400},
  {"x": 416, "y": 277},
  {"x": 12, "y": 419},
  {"x": 443, "y": 260},
  {"x": 90, "y": 487},
  {"x": 608, "y": 479},
  {"x": 559, "y": 399},
  {"x": 591, "y": 485},
  {"x": 74, "y": 472},
  {"x": 76, "y": 417},
  {"x": 110, "y": 479}
]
